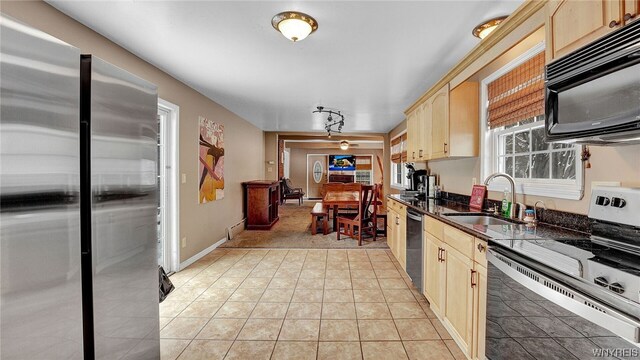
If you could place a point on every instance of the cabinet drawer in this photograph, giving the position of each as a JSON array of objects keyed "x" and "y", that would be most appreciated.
[
  {"x": 459, "y": 240},
  {"x": 401, "y": 210},
  {"x": 480, "y": 252},
  {"x": 433, "y": 227}
]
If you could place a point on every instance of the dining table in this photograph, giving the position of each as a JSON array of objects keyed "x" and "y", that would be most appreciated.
[
  {"x": 341, "y": 199},
  {"x": 335, "y": 199}
]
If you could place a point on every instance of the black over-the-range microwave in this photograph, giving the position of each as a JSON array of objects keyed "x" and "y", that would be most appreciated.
[{"x": 592, "y": 95}]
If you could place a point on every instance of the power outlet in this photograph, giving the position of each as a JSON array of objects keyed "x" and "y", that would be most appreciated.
[
  {"x": 183, "y": 243},
  {"x": 184, "y": 178},
  {"x": 474, "y": 181}
]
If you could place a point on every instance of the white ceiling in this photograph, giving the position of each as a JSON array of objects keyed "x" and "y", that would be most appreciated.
[{"x": 371, "y": 60}]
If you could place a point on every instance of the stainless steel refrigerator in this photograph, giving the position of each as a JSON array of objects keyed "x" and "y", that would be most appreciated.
[{"x": 78, "y": 203}]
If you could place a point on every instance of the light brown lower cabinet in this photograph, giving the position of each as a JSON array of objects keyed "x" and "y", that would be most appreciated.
[
  {"x": 397, "y": 231},
  {"x": 458, "y": 309},
  {"x": 391, "y": 231},
  {"x": 401, "y": 237},
  {"x": 434, "y": 272},
  {"x": 455, "y": 285},
  {"x": 480, "y": 313}
]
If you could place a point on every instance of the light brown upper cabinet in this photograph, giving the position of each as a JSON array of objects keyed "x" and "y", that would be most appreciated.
[
  {"x": 412, "y": 136},
  {"x": 445, "y": 125},
  {"x": 425, "y": 135},
  {"x": 439, "y": 103},
  {"x": 423, "y": 131},
  {"x": 418, "y": 133},
  {"x": 454, "y": 121},
  {"x": 572, "y": 24}
]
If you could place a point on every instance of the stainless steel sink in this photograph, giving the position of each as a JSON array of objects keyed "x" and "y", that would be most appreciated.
[{"x": 477, "y": 219}]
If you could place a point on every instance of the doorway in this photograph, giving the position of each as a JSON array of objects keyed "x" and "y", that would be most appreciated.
[
  {"x": 168, "y": 194},
  {"x": 287, "y": 162},
  {"x": 317, "y": 174}
]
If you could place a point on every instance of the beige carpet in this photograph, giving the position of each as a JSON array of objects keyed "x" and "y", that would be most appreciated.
[{"x": 293, "y": 230}]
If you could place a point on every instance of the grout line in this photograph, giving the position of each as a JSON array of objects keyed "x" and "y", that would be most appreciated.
[{"x": 246, "y": 255}]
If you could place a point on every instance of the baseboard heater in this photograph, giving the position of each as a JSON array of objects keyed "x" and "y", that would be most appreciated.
[{"x": 236, "y": 229}]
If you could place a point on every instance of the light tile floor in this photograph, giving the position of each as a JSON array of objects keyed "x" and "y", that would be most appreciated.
[{"x": 299, "y": 304}]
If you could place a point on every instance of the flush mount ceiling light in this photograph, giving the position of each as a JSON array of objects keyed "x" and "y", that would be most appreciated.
[
  {"x": 330, "y": 123},
  {"x": 294, "y": 25},
  {"x": 481, "y": 31},
  {"x": 344, "y": 145}
]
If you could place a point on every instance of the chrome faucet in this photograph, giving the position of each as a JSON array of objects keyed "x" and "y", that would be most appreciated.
[
  {"x": 512, "y": 182},
  {"x": 535, "y": 210}
]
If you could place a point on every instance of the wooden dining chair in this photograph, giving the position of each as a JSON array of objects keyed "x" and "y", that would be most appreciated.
[
  {"x": 381, "y": 211},
  {"x": 337, "y": 186},
  {"x": 363, "y": 221}
]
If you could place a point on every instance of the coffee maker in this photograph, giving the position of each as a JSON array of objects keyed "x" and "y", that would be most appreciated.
[{"x": 416, "y": 178}]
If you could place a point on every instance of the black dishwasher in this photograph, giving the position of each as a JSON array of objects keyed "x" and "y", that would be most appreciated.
[{"x": 414, "y": 247}]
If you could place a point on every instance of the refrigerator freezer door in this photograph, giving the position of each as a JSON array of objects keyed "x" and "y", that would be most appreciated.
[
  {"x": 124, "y": 152},
  {"x": 40, "y": 295}
]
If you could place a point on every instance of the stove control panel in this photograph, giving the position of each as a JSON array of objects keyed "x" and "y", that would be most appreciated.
[
  {"x": 624, "y": 282},
  {"x": 615, "y": 204}
]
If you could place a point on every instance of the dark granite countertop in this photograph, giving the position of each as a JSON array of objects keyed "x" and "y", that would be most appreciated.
[{"x": 513, "y": 231}]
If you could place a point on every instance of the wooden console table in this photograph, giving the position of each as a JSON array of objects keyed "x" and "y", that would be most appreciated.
[
  {"x": 341, "y": 178},
  {"x": 261, "y": 204}
]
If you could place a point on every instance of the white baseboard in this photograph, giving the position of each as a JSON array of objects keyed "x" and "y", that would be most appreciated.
[{"x": 201, "y": 254}]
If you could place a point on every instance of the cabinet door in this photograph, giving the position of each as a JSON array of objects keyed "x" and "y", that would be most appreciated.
[
  {"x": 391, "y": 231},
  {"x": 572, "y": 24},
  {"x": 440, "y": 123},
  {"x": 459, "y": 297},
  {"x": 412, "y": 134},
  {"x": 434, "y": 285},
  {"x": 631, "y": 10},
  {"x": 463, "y": 120},
  {"x": 402, "y": 241},
  {"x": 480, "y": 312},
  {"x": 390, "y": 219},
  {"x": 426, "y": 134},
  {"x": 419, "y": 133}
]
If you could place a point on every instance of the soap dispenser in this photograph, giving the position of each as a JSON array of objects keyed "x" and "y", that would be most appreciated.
[{"x": 506, "y": 204}]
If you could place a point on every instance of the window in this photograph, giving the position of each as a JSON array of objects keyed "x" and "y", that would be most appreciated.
[
  {"x": 399, "y": 176},
  {"x": 398, "y": 160},
  {"x": 523, "y": 153},
  {"x": 514, "y": 134}
]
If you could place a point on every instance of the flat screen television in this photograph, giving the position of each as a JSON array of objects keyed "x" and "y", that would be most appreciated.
[{"x": 342, "y": 163}]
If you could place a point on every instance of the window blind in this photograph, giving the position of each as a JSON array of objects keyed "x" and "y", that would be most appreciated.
[
  {"x": 399, "y": 149},
  {"x": 518, "y": 94}
]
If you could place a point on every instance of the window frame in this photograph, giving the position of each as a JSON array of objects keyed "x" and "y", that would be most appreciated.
[
  {"x": 403, "y": 172},
  {"x": 403, "y": 168},
  {"x": 489, "y": 152}
]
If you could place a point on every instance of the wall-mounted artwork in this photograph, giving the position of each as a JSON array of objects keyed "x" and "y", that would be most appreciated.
[{"x": 211, "y": 161}]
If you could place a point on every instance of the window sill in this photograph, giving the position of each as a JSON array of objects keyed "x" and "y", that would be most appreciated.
[
  {"x": 397, "y": 187},
  {"x": 553, "y": 190}
]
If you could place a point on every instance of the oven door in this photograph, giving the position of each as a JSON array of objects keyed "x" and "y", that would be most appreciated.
[
  {"x": 532, "y": 316},
  {"x": 600, "y": 107}
]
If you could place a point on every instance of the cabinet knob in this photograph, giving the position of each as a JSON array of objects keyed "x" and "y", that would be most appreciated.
[
  {"x": 629, "y": 16},
  {"x": 481, "y": 248},
  {"x": 413, "y": 154},
  {"x": 420, "y": 153},
  {"x": 614, "y": 23},
  {"x": 601, "y": 281},
  {"x": 473, "y": 278},
  {"x": 445, "y": 148}
]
